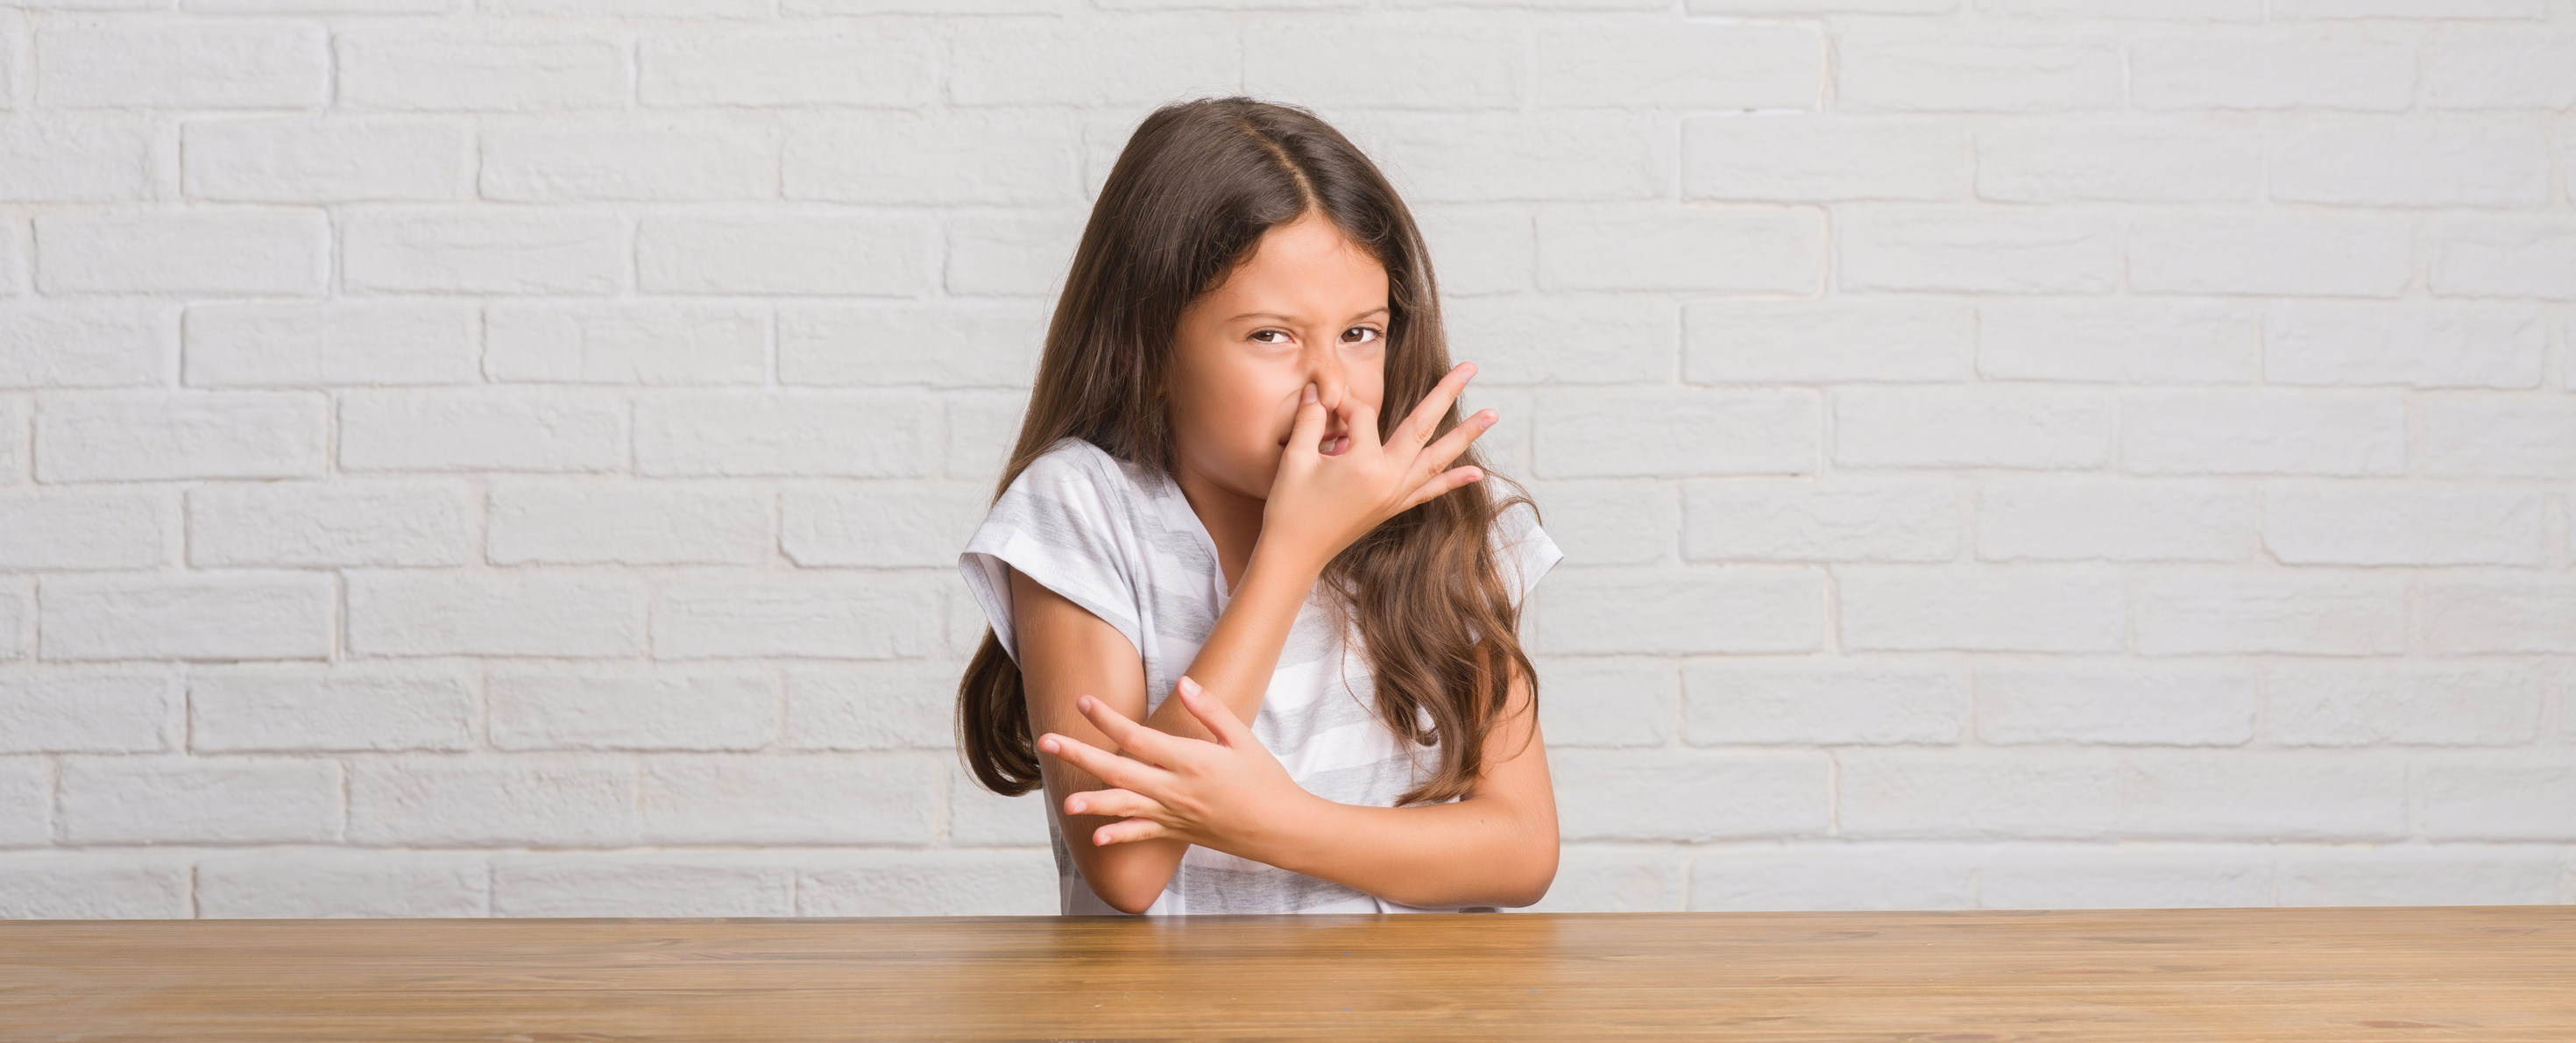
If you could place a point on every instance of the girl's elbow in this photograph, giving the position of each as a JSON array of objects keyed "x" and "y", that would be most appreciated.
[{"x": 1124, "y": 891}]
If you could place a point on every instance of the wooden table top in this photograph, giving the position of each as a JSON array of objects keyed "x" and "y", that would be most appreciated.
[{"x": 2372, "y": 973}]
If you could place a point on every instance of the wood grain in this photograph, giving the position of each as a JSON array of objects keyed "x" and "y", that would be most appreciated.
[{"x": 2374, "y": 973}]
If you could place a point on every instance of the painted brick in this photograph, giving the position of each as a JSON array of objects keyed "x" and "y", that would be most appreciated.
[
  {"x": 272, "y": 709},
  {"x": 1971, "y": 793},
  {"x": 2439, "y": 346},
  {"x": 328, "y": 344},
  {"x": 1665, "y": 433},
  {"x": 1819, "y": 158},
  {"x": 2333, "y": 524},
  {"x": 89, "y": 713},
  {"x": 872, "y": 706},
  {"x": 182, "y": 64},
  {"x": 67, "y": 529},
  {"x": 1746, "y": 608},
  {"x": 305, "y": 883},
  {"x": 830, "y": 617},
  {"x": 480, "y": 430},
  {"x": 2381, "y": 161},
  {"x": 863, "y": 256},
  {"x": 1728, "y": 705},
  {"x": 2287, "y": 69},
  {"x": 1714, "y": 251},
  {"x": 1829, "y": 341},
  {"x": 94, "y": 344},
  {"x": 703, "y": 709},
  {"x": 2200, "y": 157},
  {"x": 2262, "y": 432},
  {"x": 632, "y": 523},
  {"x": 1639, "y": 63},
  {"x": 215, "y": 616},
  {"x": 2051, "y": 608},
  {"x": 219, "y": 252},
  {"x": 2112, "y": 704},
  {"x": 1979, "y": 251},
  {"x": 220, "y": 800},
  {"x": 326, "y": 159},
  {"x": 480, "y": 70},
  {"x": 1613, "y": 794},
  {"x": 948, "y": 343},
  {"x": 2095, "y": 519},
  {"x": 2262, "y": 795},
  {"x": 1971, "y": 427},
  {"x": 2418, "y": 705},
  {"x": 2291, "y": 256},
  {"x": 2122, "y": 342},
  {"x": 2522, "y": 257},
  {"x": 1839, "y": 519},
  {"x": 767, "y": 68},
  {"x": 438, "y": 612},
  {"x": 657, "y": 160},
  {"x": 2207, "y": 610},
  {"x": 326, "y": 524},
  {"x": 1563, "y": 339},
  {"x": 483, "y": 251},
  {"x": 880, "y": 524},
  {"x": 1993, "y": 71}
]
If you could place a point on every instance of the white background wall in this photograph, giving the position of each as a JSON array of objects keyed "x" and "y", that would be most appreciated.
[{"x": 508, "y": 457}]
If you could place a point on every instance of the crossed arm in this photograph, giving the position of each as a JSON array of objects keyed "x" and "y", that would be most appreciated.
[{"x": 1209, "y": 782}]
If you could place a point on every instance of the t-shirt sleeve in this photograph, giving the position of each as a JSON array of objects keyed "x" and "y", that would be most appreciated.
[
  {"x": 1523, "y": 550},
  {"x": 1060, "y": 525}
]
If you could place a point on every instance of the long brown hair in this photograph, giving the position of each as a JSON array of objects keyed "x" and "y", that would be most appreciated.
[{"x": 1189, "y": 199}]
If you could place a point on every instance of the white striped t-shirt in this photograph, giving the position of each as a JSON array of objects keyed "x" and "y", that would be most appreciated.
[{"x": 1122, "y": 542}]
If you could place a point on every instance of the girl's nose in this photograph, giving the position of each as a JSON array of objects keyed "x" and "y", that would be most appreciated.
[{"x": 1325, "y": 369}]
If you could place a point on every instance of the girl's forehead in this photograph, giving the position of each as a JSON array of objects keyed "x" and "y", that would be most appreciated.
[{"x": 1306, "y": 269}]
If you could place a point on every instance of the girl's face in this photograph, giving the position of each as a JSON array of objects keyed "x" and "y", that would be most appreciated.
[{"x": 1310, "y": 306}]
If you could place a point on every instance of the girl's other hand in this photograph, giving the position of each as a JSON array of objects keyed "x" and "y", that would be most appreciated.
[
  {"x": 1319, "y": 503},
  {"x": 1230, "y": 795}
]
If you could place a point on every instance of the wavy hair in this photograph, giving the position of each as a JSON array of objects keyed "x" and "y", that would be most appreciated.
[{"x": 1188, "y": 200}]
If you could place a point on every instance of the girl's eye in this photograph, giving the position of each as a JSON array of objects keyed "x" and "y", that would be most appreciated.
[{"x": 1376, "y": 334}]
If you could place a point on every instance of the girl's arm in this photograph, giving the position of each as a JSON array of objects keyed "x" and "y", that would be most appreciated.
[
  {"x": 1066, "y": 653},
  {"x": 1496, "y": 846}
]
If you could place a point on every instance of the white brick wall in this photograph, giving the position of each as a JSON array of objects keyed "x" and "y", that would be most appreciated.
[{"x": 507, "y": 457}]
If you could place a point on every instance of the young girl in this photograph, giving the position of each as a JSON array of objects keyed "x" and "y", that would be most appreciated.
[{"x": 1242, "y": 481}]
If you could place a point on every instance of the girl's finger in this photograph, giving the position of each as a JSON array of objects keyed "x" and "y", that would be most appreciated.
[
  {"x": 1214, "y": 713},
  {"x": 1115, "y": 803},
  {"x": 1363, "y": 423},
  {"x": 1308, "y": 430},
  {"x": 1111, "y": 768},
  {"x": 1156, "y": 747},
  {"x": 1438, "y": 454},
  {"x": 1425, "y": 418},
  {"x": 1441, "y": 483},
  {"x": 1131, "y": 829}
]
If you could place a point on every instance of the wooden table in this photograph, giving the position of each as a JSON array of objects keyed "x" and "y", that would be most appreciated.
[{"x": 2437, "y": 973}]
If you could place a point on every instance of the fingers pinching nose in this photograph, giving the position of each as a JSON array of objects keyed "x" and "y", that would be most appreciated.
[{"x": 1310, "y": 394}]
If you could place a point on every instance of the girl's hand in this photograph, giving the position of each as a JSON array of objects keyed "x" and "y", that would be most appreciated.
[
  {"x": 1320, "y": 503},
  {"x": 1227, "y": 795}
]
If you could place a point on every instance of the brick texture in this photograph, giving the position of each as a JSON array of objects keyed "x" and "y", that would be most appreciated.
[{"x": 509, "y": 458}]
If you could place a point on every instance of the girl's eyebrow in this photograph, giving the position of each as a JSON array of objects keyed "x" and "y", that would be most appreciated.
[{"x": 1292, "y": 318}]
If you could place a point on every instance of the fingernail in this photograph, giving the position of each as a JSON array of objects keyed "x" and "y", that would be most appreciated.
[
  {"x": 1048, "y": 744},
  {"x": 1083, "y": 704},
  {"x": 1187, "y": 684},
  {"x": 1079, "y": 806},
  {"x": 1310, "y": 392}
]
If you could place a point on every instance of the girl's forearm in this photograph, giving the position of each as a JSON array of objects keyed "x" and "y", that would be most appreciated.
[
  {"x": 1467, "y": 852},
  {"x": 1235, "y": 665},
  {"x": 1243, "y": 650}
]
